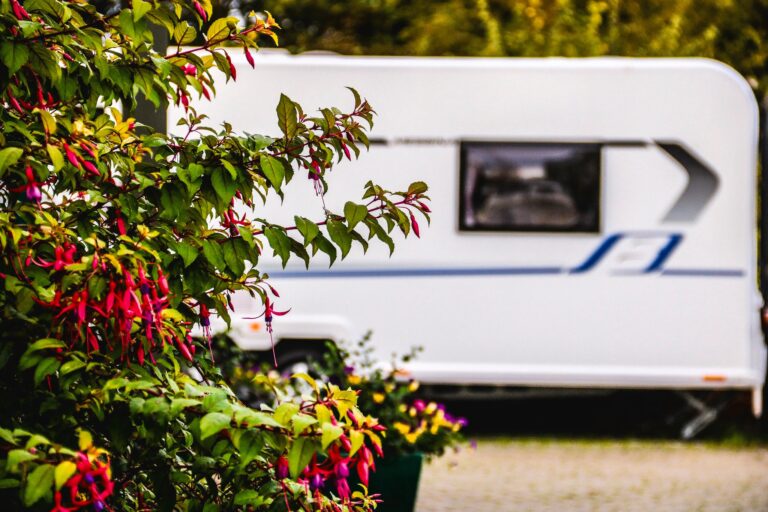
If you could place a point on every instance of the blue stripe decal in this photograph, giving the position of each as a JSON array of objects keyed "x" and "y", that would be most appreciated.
[
  {"x": 417, "y": 272},
  {"x": 664, "y": 253},
  {"x": 596, "y": 256},
  {"x": 497, "y": 271},
  {"x": 702, "y": 272}
]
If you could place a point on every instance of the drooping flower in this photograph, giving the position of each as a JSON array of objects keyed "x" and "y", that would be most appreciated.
[
  {"x": 281, "y": 467},
  {"x": 268, "y": 314}
]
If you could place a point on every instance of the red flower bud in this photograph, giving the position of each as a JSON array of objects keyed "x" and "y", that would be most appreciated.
[
  {"x": 414, "y": 225},
  {"x": 200, "y": 10},
  {"x": 19, "y": 11},
  {"x": 281, "y": 468},
  {"x": 249, "y": 57},
  {"x": 91, "y": 168},
  {"x": 232, "y": 70},
  {"x": 162, "y": 282},
  {"x": 71, "y": 156}
]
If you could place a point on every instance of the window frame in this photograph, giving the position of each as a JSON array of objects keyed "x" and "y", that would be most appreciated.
[{"x": 595, "y": 228}]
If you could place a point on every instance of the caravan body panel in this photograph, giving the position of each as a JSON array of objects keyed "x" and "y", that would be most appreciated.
[{"x": 655, "y": 288}]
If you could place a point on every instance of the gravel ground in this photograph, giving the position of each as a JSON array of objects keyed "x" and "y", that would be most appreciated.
[{"x": 600, "y": 476}]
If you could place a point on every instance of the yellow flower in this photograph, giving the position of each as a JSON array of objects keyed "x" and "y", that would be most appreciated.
[
  {"x": 378, "y": 397},
  {"x": 412, "y": 412},
  {"x": 389, "y": 387},
  {"x": 412, "y": 437},
  {"x": 403, "y": 408},
  {"x": 401, "y": 427},
  {"x": 354, "y": 379},
  {"x": 413, "y": 386},
  {"x": 432, "y": 407}
]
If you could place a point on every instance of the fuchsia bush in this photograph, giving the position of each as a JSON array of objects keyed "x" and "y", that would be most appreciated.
[{"x": 115, "y": 241}]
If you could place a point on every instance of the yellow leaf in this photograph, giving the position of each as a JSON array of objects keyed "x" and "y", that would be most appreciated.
[
  {"x": 85, "y": 440},
  {"x": 64, "y": 472}
]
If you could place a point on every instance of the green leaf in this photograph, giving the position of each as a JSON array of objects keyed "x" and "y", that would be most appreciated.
[
  {"x": 30, "y": 358},
  {"x": 285, "y": 412},
  {"x": 187, "y": 253},
  {"x": 354, "y": 213},
  {"x": 13, "y": 55},
  {"x": 64, "y": 472},
  {"x": 46, "y": 367},
  {"x": 184, "y": 33},
  {"x": 339, "y": 234},
  {"x": 233, "y": 260},
  {"x": 71, "y": 366},
  {"x": 417, "y": 187},
  {"x": 299, "y": 455},
  {"x": 280, "y": 243},
  {"x": 330, "y": 433},
  {"x": 251, "y": 446},
  {"x": 7, "y": 436},
  {"x": 219, "y": 30},
  {"x": 56, "y": 157},
  {"x": 45, "y": 343},
  {"x": 213, "y": 253},
  {"x": 356, "y": 95},
  {"x": 49, "y": 123},
  {"x": 8, "y": 157},
  {"x": 287, "y": 117},
  {"x": 273, "y": 170},
  {"x": 39, "y": 483},
  {"x": 308, "y": 229},
  {"x": 301, "y": 422},
  {"x": 16, "y": 457},
  {"x": 8, "y": 483},
  {"x": 251, "y": 418},
  {"x": 323, "y": 244},
  {"x": 224, "y": 185},
  {"x": 213, "y": 423},
  {"x": 356, "y": 440},
  {"x": 140, "y": 8},
  {"x": 195, "y": 171},
  {"x": 382, "y": 235},
  {"x": 179, "y": 404},
  {"x": 250, "y": 497}
]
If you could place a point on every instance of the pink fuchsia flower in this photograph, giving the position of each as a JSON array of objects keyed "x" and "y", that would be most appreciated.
[
  {"x": 189, "y": 69},
  {"x": 281, "y": 467},
  {"x": 31, "y": 188},
  {"x": 268, "y": 314},
  {"x": 90, "y": 485}
]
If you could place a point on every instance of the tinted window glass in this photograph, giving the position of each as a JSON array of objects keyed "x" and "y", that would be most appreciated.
[{"x": 530, "y": 187}]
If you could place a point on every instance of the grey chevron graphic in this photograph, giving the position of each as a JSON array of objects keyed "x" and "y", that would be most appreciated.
[{"x": 702, "y": 184}]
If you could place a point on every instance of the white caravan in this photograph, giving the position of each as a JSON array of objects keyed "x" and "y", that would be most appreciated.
[{"x": 594, "y": 220}]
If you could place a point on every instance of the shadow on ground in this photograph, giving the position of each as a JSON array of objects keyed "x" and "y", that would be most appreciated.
[{"x": 618, "y": 414}]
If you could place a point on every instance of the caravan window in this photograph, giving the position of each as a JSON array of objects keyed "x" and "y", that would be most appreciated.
[{"x": 530, "y": 187}]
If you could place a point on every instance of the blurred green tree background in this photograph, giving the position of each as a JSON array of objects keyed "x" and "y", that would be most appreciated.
[{"x": 733, "y": 31}]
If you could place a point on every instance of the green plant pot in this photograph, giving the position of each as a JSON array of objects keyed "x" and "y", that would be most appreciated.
[{"x": 397, "y": 480}]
